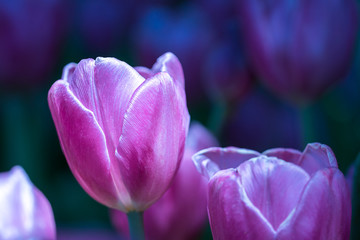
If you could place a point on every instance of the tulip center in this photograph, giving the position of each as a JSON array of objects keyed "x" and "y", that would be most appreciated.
[{"x": 273, "y": 186}]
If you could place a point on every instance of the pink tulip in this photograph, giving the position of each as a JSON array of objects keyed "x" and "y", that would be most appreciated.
[
  {"x": 181, "y": 213},
  {"x": 122, "y": 129},
  {"x": 25, "y": 213},
  {"x": 279, "y": 194}
]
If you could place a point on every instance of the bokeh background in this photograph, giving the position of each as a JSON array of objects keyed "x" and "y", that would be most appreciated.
[{"x": 225, "y": 89}]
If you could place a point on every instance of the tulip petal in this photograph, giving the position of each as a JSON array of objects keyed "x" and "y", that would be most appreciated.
[
  {"x": 84, "y": 145},
  {"x": 273, "y": 186},
  {"x": 232, "y": 216},
  {"x": 199, "y": 138},
  {"x": 286, "y": 154},
  {"x": 211, "y": 160},
  {"x": 323, "y": 211},
  {"x": 317, "y": 156},
  {"x": 115, "y": 82},
  {"x": 104, "y": 86},
  {"x": 25, "y": 212},
  {"x": 151, "y": 145},
  {"x": 169, "y": 63}
]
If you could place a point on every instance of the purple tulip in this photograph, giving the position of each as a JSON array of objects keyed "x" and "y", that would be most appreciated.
[
  {"x": 226, "y": 72},
  {"x": 302, "y": 47},
  {"x": 25, "y": 212},
  {"x": 279, "y": 194},
  {"x": 122, "y": 129},
  {"x": 102, "y": 24},
  {"x": 186, "y": 32},
  {"x": 30, "y": 37},
  {"x": 181, "y": 213}
]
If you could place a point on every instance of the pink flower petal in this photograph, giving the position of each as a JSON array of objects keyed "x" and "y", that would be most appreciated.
[
  {"x": 152, "y": 142},
  {"x": 211, "y": 160},
  {"x": 232, "y": 215},
  {"x": 25, "y": 211},
  {"x": 286, "y": 154},
  {"x": 323, "y": 212},
  {"x": 84, "y": 145},
  {"x": 273, "y": 186},
  {"x": 317, "y": 156}
]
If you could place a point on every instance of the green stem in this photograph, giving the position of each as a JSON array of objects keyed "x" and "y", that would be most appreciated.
[{"x": 136, "y": 225}]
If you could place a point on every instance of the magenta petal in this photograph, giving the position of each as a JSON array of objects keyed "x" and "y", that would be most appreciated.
[
  {"x": 84, "y": 145},
  {"x": 273, "y": 186},
  {"x": 115, "y": 82},
  {"x": 317, "y": 156},
  {"x": 169, "y": 63},
  {"x": 144, "y": 72},
  {"x": 25, "y": 211},
  {"x": 199, "y": 138},
  {"x": 211, "y": 160},
  {"x": 324, "y": 210},
  {"x": 152, "y": 142},
  {"x": 286, "y": 154},
  {"x": 232, "y": 215}
]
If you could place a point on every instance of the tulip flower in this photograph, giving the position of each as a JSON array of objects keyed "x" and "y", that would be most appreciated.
[
  {"x": 300, "y": 48},
  {"x": 186, "y": 32},
  {"x": 31, "y": 34},
  {"x": 181, "y": 213},
  {"x": 25, "y": 213},
  {"x": 279, "y": 194},
  {"x": 122, "y": 129}
]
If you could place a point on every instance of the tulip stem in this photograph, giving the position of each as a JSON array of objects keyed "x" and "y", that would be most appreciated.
[{"x": 136, "y": 225}]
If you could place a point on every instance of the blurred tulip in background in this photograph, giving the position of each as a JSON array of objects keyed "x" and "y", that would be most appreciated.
[
  {"x": 122, "y": 131},
  {"x": 279, "y": 194},
  {"x": 300, "y": 48},
  {"x": 31, "y": 34},
  {"x": 25, "y": 213},
  {"x": 185, "y": 32},
  {"x": 181, "y": 213}
]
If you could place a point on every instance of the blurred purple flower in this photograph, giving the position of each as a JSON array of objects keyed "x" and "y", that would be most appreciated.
[
  {"x": 261, "y": 122},
  {"x": 122, "y": 130},
  {"x": 279, "y": 194},
  {"x": 185, "y": 32},
  {"x": 103, "y": 23},
  {"x": 226, "y": 72},
  {"x": 30, "y": 36},
  {"x": 25, "y": 212},
  {"x": 181, "y": 213},
  {"x": 300, "y": 48}
]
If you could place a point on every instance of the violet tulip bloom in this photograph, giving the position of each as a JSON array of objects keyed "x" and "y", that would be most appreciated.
[
  {"x": 181, "y": 213},
  {"x": 31, "y": 32},
  {"x": 25, "y": 213},
  {"x": 122, "y": 129},
  {"x": 300, "y": 48},
  {"x": 187, "y": 32},
  {"x": 279, "y": 194}
]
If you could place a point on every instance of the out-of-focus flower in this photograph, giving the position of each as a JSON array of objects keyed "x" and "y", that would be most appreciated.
[
  {"x": 122, "y": 130},
  {"x": 25, "y": 213},
  {"x": 181, "y": 213},
  {"x": 279, "y": 194},
  {"x": 249, "y": 125},
  {"x": 30, "y": 36},
  {"x": 186, "y": 32},
  {"x": 102, "y": 24},
  {"x": 300, "y": 48},
  {"x": 226, "y": 72}
]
